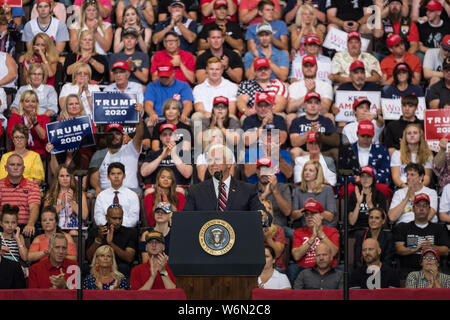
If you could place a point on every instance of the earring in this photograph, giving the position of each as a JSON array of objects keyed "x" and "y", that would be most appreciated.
[
  {"x": 111, "y": 269},
  {"x": 97, "y": 268}
]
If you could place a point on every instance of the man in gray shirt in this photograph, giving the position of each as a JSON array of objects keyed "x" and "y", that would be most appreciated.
[
  {"x": 433, "y": 60},
  {"x": 323, "y": 276}
]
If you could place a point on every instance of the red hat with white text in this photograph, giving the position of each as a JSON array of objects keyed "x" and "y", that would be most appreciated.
[{"x": 366, "y": 127}]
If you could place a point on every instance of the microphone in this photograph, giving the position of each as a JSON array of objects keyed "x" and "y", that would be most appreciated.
[{"x": 218, "y": 175}]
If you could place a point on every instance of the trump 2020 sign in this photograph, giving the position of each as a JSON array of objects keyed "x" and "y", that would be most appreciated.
[
  {"x": 68, "y": 135},
  {"x": 115, "y": 107}
]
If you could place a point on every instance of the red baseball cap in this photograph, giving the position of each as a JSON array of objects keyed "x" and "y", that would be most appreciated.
[
  {"x": 420, "y": 197},
  {"x": 260, "y": 63},
  {"x": 434, "y": 5},
  {"x": 220, "y": 99},
  {"x": 167, "y": 126},
  {"x": 393, "y": 40},
  {"x": 445, "y": 43},
  {"x": 165, "y": 69},
  {"x": 309, "y": 59},
  {"x": 264, "y": 161},
  {"x": 313, "y": 206},
  {"x": 220, "y": 3},
  {"x": 358, "y": 101},
  {"x": 311, "y": 95},
  {"x": 313, "y": 38},
  {"x": 353, "y": 34},
  {"x": 263, "y": 97},
  {"x": 313, "y": 136},
  {"x": 366, "y": 127},
  {"x": 368, "y": 169},
  {"x": 434, "y": 251},
  {"x": 120, "y": 65},
  {"x": 39, "y": 1},
  {"x": 402, "y": 66},
  {"x": 357, "y": 64},
  {"x": 116, "y": 126}
]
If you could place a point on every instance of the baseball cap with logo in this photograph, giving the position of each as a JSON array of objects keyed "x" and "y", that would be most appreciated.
[
  {"x": 311, "y": 95},
  {"x": 263, "y": 97},
  {"x": 221, "y": 3},
  {"x": 433, "y": 251},
  {"x": 420, "y": 197},
  {"x": 312, "y": 205},
  {"x": 357, "y": 64},
  {"x": 114, "y": 126},
  {"x": 445, "y": 43},
  {"x": 221, "y": 100},
  {"x": 368, "y": 169},
  {"x": 264, "y": 161},
  {"x": 309, "y": 59},
  {"x": 164, "y": 206},
  {"x": 393, "y": 40},
  {"x": 366, "y": 127},
  {"x": 260, "y": 63},
  {"x": 313, "y": 38},
  {"x": 165, "y": 69},
  {"x": 120, "y": 65},
  {"x": 353, "y": 34},
  {"x": 434, "y": 5},
  {"x": 47, "y": 1},
  {"x": 264, "y": 27},
  {"x": 154, "y": 235},
  {"x": 169, "y": 126},
  {"x": 402, "y": 66},
  {"x": 359, "y": 101}
]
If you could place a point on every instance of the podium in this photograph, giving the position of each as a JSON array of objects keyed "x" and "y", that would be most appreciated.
[{"x": 217, "y": 256}]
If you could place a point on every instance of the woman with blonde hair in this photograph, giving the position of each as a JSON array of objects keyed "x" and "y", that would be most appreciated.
[
  {"x": 35, "y": 122},
  {"x": 91, "y": 19},
  {"x": 42, "y": 50},
  {"x": 413, "y": 148},
  {"x": 104, "y": 274}
]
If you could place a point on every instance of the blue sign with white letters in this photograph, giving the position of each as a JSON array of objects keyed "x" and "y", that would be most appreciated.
[
  {"x": 68, "y": 135},
  {"x": 115, "y": 107}
]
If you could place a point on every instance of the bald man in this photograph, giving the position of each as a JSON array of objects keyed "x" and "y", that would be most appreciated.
[{"x": 375, "y": 274}]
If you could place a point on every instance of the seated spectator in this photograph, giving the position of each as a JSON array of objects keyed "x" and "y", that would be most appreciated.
[
  {"x": 266, "y": 9},
  {"x": 81, "y": 86},
  {"x": 190, "y": 12},
  {"x": 401, "y": 85},
  {"x": 432, "y": 31},
  {"x": 357, "y": 79},
  {"x": 29, "y": 116},
  {"x": 39, "y": 248},
  {"x": 36, "y": 81},
  {"x": 375, "y": 230},
  {"x": 444, "y": 205},
  {"x": 177, "y": 21},
  {"x": 322, "y": 275},
  {"x": 54, "y": 28},
  {"x": 11, "y": 237},
  {"x": 429, "y": 276},
  {"x": 209, "y": 12},
  {"x": 43, "y": 51},
  {"x": 313, "y": 146},
  {"x": 122, "y": 83},
  {"x": 312, "y": 187},
  {"x": 349, "y": 15},
  {"x": 63, "y": 196},
  {"x": 116, "y": 151},
  {"x": 262, "y": 82},
  {"x": 104, "y": 274},
  {"x": 232, "y": 37},
  {"x": 156, "y": 273},
  {"x": 57, "y": 10},
  {"x": 310, "y": 83},
  {"x": 306, "y": 20},
  {"x": 162, "y": 222},
  {"x": 139, "y": 18},
  {"x": 374, "y": 274},
  {"x": 122, "y": 239},
  {"x": 439, "y": 93},
  {"x": 413, "y": 149},
  {"x": 15, "y": 190},
  {"x": 8, "y": 75},
  {"x": 278, "y": 59},
  {"x": 104, "y": 9},
  {"x": 164, "y": 190},
  {"x": 441, "y": 164},
  {"x": 90, "y": 19},
  {"x": 34, "y": 170},
  {"x": 137, "y": 61},
  {"x": 270, "y": 277},
  {"x": 397, "y": 48},
  {"x": 433, "y": 60},
  {"x": 11, "y": 274},
  {"x": 393, "y": 131},
  {"x": 249, "y": 13},
  {"x": 415, "y": 237},
  {"x": 117, "y": 194},
  {"x": 87, "y": 54},
  {"x": 312, "y": 47},
  {"x": 156, "y": 93},
  {"x": 53, "y": 271},
  {"x": 401, "y": 208},
  {"x": 343, "y": 60},
  {"x": 183, "y": 61}
]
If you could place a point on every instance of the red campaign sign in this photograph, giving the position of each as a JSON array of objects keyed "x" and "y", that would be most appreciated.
[
  {"x": 437, "y": 124},
  {"x": 11, "y": 3}
]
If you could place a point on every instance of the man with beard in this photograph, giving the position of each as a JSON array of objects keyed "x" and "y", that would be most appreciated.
[
  {"x": 375, "y": 274},
  {"x": 358, "y": 80},
  {"x": 127, "y": 154},
  {"x": 396, "y": 24}
]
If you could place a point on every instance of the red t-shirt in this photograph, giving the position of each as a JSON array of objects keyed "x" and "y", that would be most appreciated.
[
  {"x": 388, "y": 64},
  {"x": 149, "y": 202},
  {"x": 40, "y": 273},
  {"x": 141, "y": 273},
  {"x": 280, "y": 237},
  {"x": 186, "y": 57},
  {"x": 212, "y": 17},
  {"x": 301, "y": 235},
  {"x": 37, "y": 144}
]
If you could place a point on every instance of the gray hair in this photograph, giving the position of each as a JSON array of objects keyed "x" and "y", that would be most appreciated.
[
  {"x": 56, "y": 235},
  {"x": 226, "y": 152}
]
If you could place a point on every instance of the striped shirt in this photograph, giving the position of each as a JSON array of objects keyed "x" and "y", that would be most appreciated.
[
  {"x": 13, "y": 254},
  {"x": 23, "y": 195},
  {"x": 416, "y": 279}
]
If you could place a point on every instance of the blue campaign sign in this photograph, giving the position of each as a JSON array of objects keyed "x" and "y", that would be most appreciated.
[
  {"x": 68, "y": 135},
  {"x": 115, "y": 107}
]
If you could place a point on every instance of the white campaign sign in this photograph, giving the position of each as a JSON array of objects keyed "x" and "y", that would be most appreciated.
[
  {"x": 337, "y": 39},
  {"x": 344, "y": 101},
  {"x": 392, "y": 108}
]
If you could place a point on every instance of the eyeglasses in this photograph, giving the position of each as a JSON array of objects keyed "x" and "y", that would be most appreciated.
[
  {"x": 19, "y": 138},
  {"x": 115, "y": 205}
]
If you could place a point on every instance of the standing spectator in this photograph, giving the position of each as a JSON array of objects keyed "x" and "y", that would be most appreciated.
[
  {"x": 104, "y": 8},
  {"x": 209, "y": 13},
  {"x": 249, "y": 12},
  {"x": 190, "y": 12},
  {"x": 433, "y": 60},
  {"x": 434, "y": 29},
  {"x": 349, "y": 15},
  {"x": 402, "y": 84},
  {"x": 271, "y": 278},
  {"x": 441, "y": 164},
  {"x": 58, "y": 10},
  {"x": 439, "y": 93}
]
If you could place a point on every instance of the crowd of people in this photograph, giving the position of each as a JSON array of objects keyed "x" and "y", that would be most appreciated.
[{"x": 254, "y": 84}]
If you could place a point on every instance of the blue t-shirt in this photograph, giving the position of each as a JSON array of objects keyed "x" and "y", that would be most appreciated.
[
  {"x": 302, "y": 125},
  {"x": 254, "y": 122},
  {"x": 188, "y": 23},
  {"x": 279, "y": 57},
  {"x": 279, "y": 29},
  {"x": 158, "y": 94},
  {"x": 392, "y": 92},
  {"x": 253, "y": 154}
]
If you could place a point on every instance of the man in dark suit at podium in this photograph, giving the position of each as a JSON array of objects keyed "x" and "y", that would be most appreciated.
[{"x": 234, "y": 195}]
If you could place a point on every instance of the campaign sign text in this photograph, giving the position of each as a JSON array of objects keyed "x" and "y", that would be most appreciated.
[
  {"x": 392, "y": 108},
  {"x": 66, "y": 135},
  {"x": 115, "y": 107},
  {"x": 337, "y": 39},
  {"x": 344, "y": 101},
  {"x": 437, "y": 126}
]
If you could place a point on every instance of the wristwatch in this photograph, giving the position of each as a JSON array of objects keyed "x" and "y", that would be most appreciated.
[{"x": 164, "y": 274}]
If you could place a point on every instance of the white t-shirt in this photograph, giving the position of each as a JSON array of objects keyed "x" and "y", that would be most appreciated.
[
  {"x": 433, "y": 60},
  {"x": 70, "y": 88},
  {"x": 351, "y": 132},
  {"x": 329, "y": 175},
  {"x": 276, "y": 281},
  {"x": 98, "y": 48},
  {"x": 444, "y": 205},
  {"x": 363, "y": 156},
  {"x": 206, "y": 93},
  {"x": 395, "y": 162},
  {"x": 298, "y": 90},
  {"x": 408, "y": 213}
]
